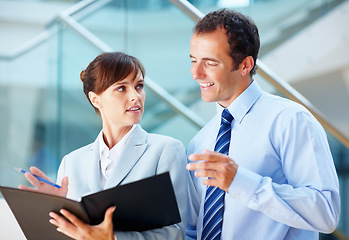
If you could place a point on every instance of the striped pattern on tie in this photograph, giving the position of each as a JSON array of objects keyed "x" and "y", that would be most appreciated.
[{"x": 214, "y": 199}]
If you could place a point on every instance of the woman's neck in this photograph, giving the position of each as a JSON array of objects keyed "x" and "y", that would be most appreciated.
[{"x": 112, "y": 136}]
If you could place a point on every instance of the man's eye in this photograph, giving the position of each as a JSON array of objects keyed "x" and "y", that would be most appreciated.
[
  {"x": 210, "y": 63},
  {"x": 193, "y": 61}
]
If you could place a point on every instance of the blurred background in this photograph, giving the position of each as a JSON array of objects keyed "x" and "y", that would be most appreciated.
[{"x": 45, "y": 44}]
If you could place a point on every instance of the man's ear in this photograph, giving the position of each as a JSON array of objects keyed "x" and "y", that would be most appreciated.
[
  {"x": 246, "y": 65},
  {"x": 95, "y": 100}
]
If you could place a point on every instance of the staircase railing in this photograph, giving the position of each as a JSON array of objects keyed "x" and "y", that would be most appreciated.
[{"x": 67, "y": 21}]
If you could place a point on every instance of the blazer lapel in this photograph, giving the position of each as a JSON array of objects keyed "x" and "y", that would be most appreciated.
[
  {"x": 92, "y": 161},
  {"x": 133, "y": 150}
]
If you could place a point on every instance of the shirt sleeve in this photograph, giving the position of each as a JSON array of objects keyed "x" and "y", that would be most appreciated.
[{"x": 310, "y": 197}]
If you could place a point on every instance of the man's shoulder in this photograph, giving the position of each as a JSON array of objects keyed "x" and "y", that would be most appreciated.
[{"x": 273, "y": 103}]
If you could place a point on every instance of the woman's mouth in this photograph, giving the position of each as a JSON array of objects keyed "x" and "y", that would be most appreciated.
[{"x": 135, "y": 108}]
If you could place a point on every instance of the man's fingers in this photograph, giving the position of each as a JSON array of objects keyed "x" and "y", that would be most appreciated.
[
  {"x": 209, "y": 156},
  {"x": 207, "y": 165},
  {"x": 218, "y": 170},
  {"x": 210, "y": 182},
  {"x": 204, "y": 165},
  {"x": 206, "y": 173}
]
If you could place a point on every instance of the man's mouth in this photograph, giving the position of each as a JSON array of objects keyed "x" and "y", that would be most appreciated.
[{"x": 205, "y": 85}]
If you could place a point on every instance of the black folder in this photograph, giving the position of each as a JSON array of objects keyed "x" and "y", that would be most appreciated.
[{"x": 142, "y": 205}]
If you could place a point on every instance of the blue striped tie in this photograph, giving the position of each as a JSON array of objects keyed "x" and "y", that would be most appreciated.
[{"x": 214, "y": 200}]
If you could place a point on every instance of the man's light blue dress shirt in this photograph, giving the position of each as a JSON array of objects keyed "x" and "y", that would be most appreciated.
[{"x": 286, "y": 186}]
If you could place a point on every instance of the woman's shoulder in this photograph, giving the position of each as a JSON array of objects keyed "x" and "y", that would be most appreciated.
[
  {"x": 155, "y": 137},
  {"x": 77, "y": 153},
  {"x": 159, "y": 138}
]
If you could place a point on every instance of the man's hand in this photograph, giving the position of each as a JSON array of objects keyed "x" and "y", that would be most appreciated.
[
  {"x": 76, "y": 229},
  {"x": 219, "y": 169},
  {"x": 44, "y": 187}
]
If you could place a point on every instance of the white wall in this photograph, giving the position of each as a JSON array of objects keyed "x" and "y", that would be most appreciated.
[{"x": 9, "y": 228}]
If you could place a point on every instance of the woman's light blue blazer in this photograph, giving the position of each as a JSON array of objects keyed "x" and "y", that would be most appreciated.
[{"x": 144, "y": 155}]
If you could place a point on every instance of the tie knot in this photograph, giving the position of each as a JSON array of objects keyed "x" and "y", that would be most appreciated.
[{"x": 226, "y": 117}]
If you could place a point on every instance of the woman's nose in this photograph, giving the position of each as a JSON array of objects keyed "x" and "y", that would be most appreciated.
[{"x": 134, "y": 96}]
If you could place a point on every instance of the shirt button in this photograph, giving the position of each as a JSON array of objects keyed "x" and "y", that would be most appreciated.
[{"x": 237, "y": 196}]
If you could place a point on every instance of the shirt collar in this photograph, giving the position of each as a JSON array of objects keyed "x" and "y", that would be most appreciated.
[
  {"x": 242, "y": 104},
  {"x": 121, "y": 143}
]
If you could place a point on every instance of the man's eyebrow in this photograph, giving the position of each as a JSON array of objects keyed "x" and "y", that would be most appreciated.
[
  {"x": 206, "y": 58},
  {"x": 211, "y": 59}
]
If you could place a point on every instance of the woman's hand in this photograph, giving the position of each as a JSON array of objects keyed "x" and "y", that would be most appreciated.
[
  {"x": 44, "y": 187},
  {"x": 76, "y": 229}
]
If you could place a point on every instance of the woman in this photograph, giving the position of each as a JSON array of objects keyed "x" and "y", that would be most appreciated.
[{"x": 123, "y": 152}]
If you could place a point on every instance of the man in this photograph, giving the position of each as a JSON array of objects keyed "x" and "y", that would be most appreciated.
[{"x": 269, "y": 173}]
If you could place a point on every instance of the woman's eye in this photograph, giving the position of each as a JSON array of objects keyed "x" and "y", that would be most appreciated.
[
  {"x": 120, "y": 89},
  {"x": 140, "y": 86}
]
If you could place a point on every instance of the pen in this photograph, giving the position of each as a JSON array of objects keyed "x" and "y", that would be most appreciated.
[{"x": 39, "y": 178}]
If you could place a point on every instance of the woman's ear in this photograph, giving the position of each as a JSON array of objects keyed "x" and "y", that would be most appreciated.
[
  {"x": 246, "y": 65},
  {"x": 95, "y": 100}
]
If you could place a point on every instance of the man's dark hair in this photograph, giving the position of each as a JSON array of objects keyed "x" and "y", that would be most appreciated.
[{"x": 242, "y": 33}]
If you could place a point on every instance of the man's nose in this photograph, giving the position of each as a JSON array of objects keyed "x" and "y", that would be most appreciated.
[{"x": 197, "y": 71}]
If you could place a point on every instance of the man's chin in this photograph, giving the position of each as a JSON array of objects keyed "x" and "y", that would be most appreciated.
[{"x": 207, "y": 99}]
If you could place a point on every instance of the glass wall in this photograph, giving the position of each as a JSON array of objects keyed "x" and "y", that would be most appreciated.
[{"x": 28, "y": 107}]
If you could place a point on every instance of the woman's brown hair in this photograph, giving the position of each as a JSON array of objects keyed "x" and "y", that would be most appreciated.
[{"x": 107, "y": 69}]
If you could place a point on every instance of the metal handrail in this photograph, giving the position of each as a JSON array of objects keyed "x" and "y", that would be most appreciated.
[
  {"x": 45, "y": 35},
  {"x": 280, "y": 85},
  {"x": 65, "y": 18},
  {"x": 27, "y": 46},
  {"x": 294, "y": 95}
]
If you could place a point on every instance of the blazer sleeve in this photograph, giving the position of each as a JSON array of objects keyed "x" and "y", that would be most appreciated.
[{"x": 173, "y": 160}]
